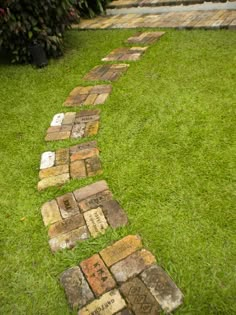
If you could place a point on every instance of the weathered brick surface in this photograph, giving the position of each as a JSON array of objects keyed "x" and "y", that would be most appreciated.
[
  {"x": 91, "y": 95},
  {"x": 148, "y": 291},
  {"x": 74, "y": 125},
  {"x": 106, "y": 72},
  {"x": 50, "y": 212},
  {"x": 115, "y": 215},
  {"x": 132, "y": 265},
  {"x": 75, "y": 210},
  {"x": 121, "y": 249},
  {"x": 76, "y": 288},
  {"x": 125, "y": 54},
  {"x": 162, "y": 288},
  {"x": 145, "y": 38},
  {"x": 108, "y": 304},
  {"x": 78, "y": 162},
  {"x": 97, "y": 274},
  {"x": 96, "y": 221},
  {"x": 139, "y": 298},
  {"x": 69, "y": 240}
]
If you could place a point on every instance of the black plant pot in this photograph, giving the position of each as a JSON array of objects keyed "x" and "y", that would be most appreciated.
[{"x": 39, "y": 58}]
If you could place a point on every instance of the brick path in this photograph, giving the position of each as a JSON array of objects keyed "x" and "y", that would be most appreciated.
[
  {"x": 124, "y": 278},
  {"x": 180, "y": 20}
]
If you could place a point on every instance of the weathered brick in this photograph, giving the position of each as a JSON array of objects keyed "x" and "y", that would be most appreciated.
[
  {"x": 90, "y": 190},
  {"x": 139, "y": 298},
  {"x": 50, "y": 212},
  {"x": 66, "y": 225},
  {"x": 54, "y": 171},
  {"x": 114, "y": 214},
  {"x": 77, "y": 169},
  {"x": 162, "y": 288},
  {"x": 62, "y": 156},
  {"x": 69, "y": 118},
  {"x": 53, "y": 181},
  {"x": 78, "y": 131},
  {"x": 124, "y": 312},
  {"x": 84, "y": 154},
  {"x": 101, "y": 98},
  {"x": 67, "y": 205},
  {"x": 93, "y": 166},
  {"x": 95, "y": 200},
  {"x": 69, "y": 240},
  {"x": 121, "y": 249},
  {"x": 91, "y": 128},
  {"x": 132, "y": 265},
  {"x": 83, "y": 146},
  {"x": 76, "y": 288},
  {"x": 108, "y": 304},
  {"x": 96, "y": 221},
  {"x": 97, "y": 274},
  {"x": 55, "y": 136}
]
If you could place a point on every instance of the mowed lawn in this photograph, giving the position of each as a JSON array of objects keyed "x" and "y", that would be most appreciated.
[{"x": 166, "y": 141}]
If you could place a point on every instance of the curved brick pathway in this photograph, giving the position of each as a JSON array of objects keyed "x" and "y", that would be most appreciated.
[{"x": 124, "y": 278}]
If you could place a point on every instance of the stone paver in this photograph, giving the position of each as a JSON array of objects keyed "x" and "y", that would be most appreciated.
[
  {"x": 125, "y": 54},
  {"x": 77, "y": 125},
  {"x": 179, "y": 20},
  {"x": 76, "y": 216},
  {"x": 79, "y": 161},
  {"x": 89, "y": 95},
  {"x": 145, "y": 38},
  {"x": 147, "y": 289},
  {"x": 107, "y": 72}
]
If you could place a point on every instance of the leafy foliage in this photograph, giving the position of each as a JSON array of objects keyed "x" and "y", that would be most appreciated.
[
  {"x": 90, "y": 8},
  {"x": 25, "y": 22}
]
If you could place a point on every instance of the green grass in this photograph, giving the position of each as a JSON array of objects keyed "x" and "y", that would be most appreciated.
[{"x": 166, "y": 141}]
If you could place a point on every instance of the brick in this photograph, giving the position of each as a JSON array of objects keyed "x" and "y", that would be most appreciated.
[
  {"x": 57, "y": 120},
  {"x": 62, "y": 156},
  {"x": 53, "y": 181},
  {"x": 66, "y": 128},
  {"x": 132, "y": 265},
  {"x": 124, "y": 312},
  {"x": 96, "y": 221},
  {"x": 76, "y": 288},
  {"x": 114, "y": 214},
  {"x": 140, "y": 300},
  {"x": 66, "y": 225},
  {"x": 93, "y": 166},
  {"x": 97, "y": 275},
  {"x": 108, "y": 304},
  {"x": 90, "y": 190},
  {"x": 69, "y": 240},
  {"x": 121, "y": 249},
  {"x": 101, "y": 99},
  {"x": 162, "y": 288},
  {"x": 78, "y": 131},
  {"x": 90, "y": 112},
  {"x": 91, "y": 128},
  {"x": 87, "y": 118},
  {"x": 47, "y": 160},
  {"x": 67, "y": 205},
  {"x": 84, "y": 154},
  {"x": 54, "y": 129},
  {"x": 100, "y": 89},
  {"x": 69, "y": 118},
  {"x": 54, "y": 171},
  {"x": 55, "y": 136},
  {"x": 90, "y": 99},
  {"x": 95, "y": 200},
  {"x": 50, "y": 212},
  {"x": 83, "y": 146},
  {"x": 77, "y": 169}
]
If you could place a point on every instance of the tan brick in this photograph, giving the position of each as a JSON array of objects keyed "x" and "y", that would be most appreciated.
[
  {"x": 57, "y": 136},
  {"x": 53, "y": 181},
  {"x": 50, "y": 212},
  {"x": 91, "y": 128},
  {"x": 95, "y": 200},
  {"x": 54, "y": 171},
  {"x": 67, "y": 205},
  {"x": 101, "y": 98},
  {"x": 77, "y": 169},
  {"x": 69, "y": 118},
  {"x": 90, "y": 190},
  {"x": 93, "y": 166},
  {"x": 96, "y": 221},
  {"x": 62, "y": 156},
  {"x": 97, "y": 274},
  {"x": 84, "y": 154},
  {"x": 121, "y": 249}
]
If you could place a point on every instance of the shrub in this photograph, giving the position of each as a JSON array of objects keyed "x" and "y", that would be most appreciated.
[
  {"x": 90, "y": 8},
  {"x": 25, "y": 22}
]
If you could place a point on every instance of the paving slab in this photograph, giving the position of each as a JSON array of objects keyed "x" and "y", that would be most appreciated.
[
  {"x": 80, "y": 161},
  {"x": 107, "y": 72},
  {"x": 164, "y": 20},
  {"x": 148, "y": 290},
  {"x": 79, "y": 215},
  {"x": 89, "y": 95},
  {"x": 125, "y": 54},
  {"x": 145, "y": 38},
  {"x": 78, "y": 125}
]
